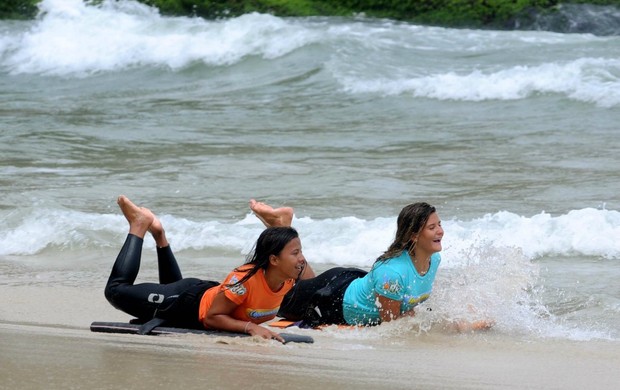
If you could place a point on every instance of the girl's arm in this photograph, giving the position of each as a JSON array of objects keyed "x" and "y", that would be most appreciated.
[
  {"x": 220, "y": 317},
  {"x": 463, "y": 326},
  {"x": 389, "y": 309}
]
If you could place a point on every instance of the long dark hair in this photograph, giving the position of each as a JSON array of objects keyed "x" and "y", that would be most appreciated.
[
  {"x": 270, "y": 242},
  {"x": 411, "y": 220}
]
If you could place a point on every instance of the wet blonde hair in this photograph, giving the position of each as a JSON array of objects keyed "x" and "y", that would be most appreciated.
[{"x": 410, "y": 222}]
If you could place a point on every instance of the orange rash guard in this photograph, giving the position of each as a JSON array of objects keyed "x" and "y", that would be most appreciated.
[{"x": 256, "y": 302}]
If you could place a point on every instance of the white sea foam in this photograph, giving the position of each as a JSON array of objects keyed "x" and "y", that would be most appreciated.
[
  {"x": 594, "y": 80},
  {"x": 339, "y": 241},
  {"x": 72, "y": 38}
]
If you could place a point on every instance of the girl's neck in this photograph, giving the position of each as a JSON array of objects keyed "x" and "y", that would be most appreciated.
[
  {"x": 275, "y": 282},
  {"x": 421, "y": 261}
]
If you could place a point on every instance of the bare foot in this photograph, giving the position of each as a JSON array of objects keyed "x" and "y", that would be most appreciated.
[
  {"x": 282, "y": 216},
  {"x": 139, "y": 218},
  {"x": 157, "y": 231}
]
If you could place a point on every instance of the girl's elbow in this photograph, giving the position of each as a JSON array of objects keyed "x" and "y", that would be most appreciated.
[
  {"x": 210, "y": 321},
  {"x": 387, "y": 316}
]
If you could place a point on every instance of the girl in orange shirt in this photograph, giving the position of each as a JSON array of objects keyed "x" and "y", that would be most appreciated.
[{"x": 250, "y": 295}]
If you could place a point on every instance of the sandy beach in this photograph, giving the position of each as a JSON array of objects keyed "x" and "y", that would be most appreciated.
[
  {"x": 61, "y": 353},
  {"x": 35, "y": 357}
]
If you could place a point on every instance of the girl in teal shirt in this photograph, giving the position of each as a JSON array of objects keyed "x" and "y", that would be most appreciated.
[{"x": 401, "y": 278}]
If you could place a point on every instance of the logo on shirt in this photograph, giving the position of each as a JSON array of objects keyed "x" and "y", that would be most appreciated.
[
  {"x": 413, "y": 301},
  {"x": 262, "y": 313},
  {"x": 392, "y": 286},
  {"x": 238, "y": 289}
]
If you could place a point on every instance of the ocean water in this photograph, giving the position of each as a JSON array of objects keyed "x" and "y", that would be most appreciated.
[{"x": 512, "y": 135}]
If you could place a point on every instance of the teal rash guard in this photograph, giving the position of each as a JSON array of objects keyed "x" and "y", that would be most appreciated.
[{"x": 396, "y": 279}]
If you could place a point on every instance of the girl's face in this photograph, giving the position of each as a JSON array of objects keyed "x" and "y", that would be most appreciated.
[
  {"x": 290, "y": 260},
  {"x": 429, "y": 239}
]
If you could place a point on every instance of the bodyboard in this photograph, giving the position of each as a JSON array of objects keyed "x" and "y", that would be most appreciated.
[
  {"x": 282, "y": 324},
  {"x": 128, "y": 328}
]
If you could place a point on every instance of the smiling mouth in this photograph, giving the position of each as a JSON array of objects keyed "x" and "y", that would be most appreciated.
[{"x": 300, "y": 269}]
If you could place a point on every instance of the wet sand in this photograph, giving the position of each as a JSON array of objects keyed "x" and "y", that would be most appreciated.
[
  {"x": 34, "y": 357},
  {"x": 45, "y": 343},
  {"x": 49, "y": 353}
]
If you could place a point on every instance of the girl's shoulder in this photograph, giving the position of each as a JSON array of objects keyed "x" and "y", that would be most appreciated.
[
  {"x": 392, "y": 265},
  {"x": 237, "y": 274},
  {"x": 243, "y": 268}
]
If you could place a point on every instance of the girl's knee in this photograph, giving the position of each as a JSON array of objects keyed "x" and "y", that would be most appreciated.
[{"x": 111, "y": 293}]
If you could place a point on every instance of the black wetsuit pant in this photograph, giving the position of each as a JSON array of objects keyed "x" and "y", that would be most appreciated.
[
  {"x": 174, "y": 298},
  {"x": 318, "y": 301}
]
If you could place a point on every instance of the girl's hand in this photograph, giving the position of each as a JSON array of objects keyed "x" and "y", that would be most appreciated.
[
  {"x": 257, "y": 330},
  {"x": 466, "y": 326}
]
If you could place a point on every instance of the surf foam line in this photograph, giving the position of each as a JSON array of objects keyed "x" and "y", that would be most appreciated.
[{"x": 347, "y": 241}]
